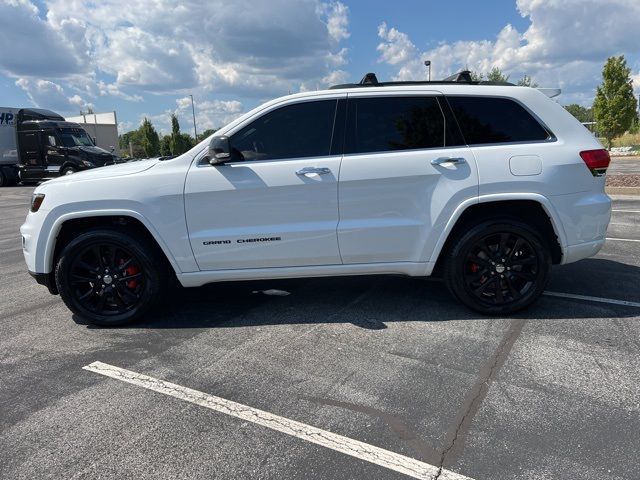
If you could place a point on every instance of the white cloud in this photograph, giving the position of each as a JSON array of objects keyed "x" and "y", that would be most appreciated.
[
  {"x": 32, "y": 46},
  {"x": 395, "y": 47},
  {"x": 125, "y": 49},
  {"x": 47, "y": 94},
  {"x": 337, "y": 20},
  {"x": 565, "y": 45}
]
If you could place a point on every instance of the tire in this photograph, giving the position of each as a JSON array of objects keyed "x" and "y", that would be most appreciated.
[
  {"x": 110, "y": 278},
  {"x": 68, "y": 171},
  {"x": 497, "y": 267},
  {"x": 4, "y": 181}
]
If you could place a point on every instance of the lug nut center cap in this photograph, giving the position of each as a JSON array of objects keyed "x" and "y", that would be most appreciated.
[
  {"x": 107, "y": 279},
  {"x": 500, "y": 268}
]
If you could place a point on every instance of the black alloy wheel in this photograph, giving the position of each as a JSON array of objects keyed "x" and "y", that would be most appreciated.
[
  {"x": 498, "y": 268},
  {"x": 109, "y": 278},
  {"x": 106, "y": 279}
]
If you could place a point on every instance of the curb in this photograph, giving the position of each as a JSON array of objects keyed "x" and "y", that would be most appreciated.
[{"x": 634, "y": 191}]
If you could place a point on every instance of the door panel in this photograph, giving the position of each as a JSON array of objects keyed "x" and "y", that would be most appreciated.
[
  {"x": 275, "y": 204},
  {"x": 31, "y": 156},
  {"x": 263, "y": 214},
  {"x": 394, "y": 204}
]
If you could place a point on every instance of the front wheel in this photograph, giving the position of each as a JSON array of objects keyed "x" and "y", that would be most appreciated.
[
  {"x": 498, "y": 267},
  {"x": 108, "y": 277},
  {"x": 68, "y": 171}
]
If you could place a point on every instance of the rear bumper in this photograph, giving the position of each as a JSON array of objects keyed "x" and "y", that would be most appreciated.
[
  {"x": 585, "y": 218},
  {"x": 45, "y": 279},
  {"x": 573, "y": 253}
]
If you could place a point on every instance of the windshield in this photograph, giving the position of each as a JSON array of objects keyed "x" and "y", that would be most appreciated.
[{"x": 75, "y": 138}]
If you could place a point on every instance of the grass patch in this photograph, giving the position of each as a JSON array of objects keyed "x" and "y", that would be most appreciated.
[{"x": 628, "y": 140}]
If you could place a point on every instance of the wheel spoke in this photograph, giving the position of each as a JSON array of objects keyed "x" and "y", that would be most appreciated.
[
  {"x": 129, "y": 296},
  {"x": 524, "y": 261},
  {"x": 96, "y": 252},
  {"x": 86, "y": 295},
  {"x": 515, "y": 248},
  {"x": 112, "y": 257},
  {"x": 502, "y": 248},
  {"x": 515, "y": 293},
  {"x": 85, "y": 266},
  {"x": 101, "y": 302},
  {"x": 75, "y": 278},
  {"x": 530, "y": 277},
  {"x": 499, "y": 296},
  {"x": 132, "y": 276},
  {"x": 476, "y": 259},
  {"x": 124, "y": 266},
  {"x": 480, "y": 290}
]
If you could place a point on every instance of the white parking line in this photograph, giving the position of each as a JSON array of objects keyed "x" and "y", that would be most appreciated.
[
  {"x": 626, "y": 211},
  {"x": 593, "y": 299},
  {"x": 623, "y": 239},
  {"x": 363, "y": 451}
]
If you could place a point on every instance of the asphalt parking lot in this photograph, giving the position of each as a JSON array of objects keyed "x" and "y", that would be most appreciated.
[{"x": 393, "y": 362}]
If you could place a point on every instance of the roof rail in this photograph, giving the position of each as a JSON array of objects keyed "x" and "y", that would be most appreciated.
[{"x": 463, "y": 77}]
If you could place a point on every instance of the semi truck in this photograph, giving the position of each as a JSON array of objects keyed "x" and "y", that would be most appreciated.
[{"x": 37, "y": 144}]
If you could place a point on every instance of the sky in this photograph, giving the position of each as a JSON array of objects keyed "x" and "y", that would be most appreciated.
[{"x": 144, "y": 58}]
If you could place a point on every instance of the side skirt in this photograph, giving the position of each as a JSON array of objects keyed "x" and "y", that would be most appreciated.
[{"x": 196, "y": 279}]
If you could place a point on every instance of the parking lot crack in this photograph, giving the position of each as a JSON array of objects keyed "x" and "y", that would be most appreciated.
[{"x": 456, "y": 436}]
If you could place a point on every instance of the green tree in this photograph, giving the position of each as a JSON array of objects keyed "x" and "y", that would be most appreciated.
[
  {"x": 134, "y": 138},
  {"x": 582, "y": 114},
  {"x": 207, "y": 133},
  {"x": 614, "y": 107},
  {"x": 496, "y": 75},
  {"x": 527, "y": 81},
  {"x": 165, "y": 145},
  {"x": 180, "y": 142},
  {"x": 149, "y": 139}
]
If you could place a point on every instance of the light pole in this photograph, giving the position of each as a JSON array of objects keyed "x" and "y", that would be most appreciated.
[
  {"x": 193, "y": 110},
  {"x": 427, "y": 63}
]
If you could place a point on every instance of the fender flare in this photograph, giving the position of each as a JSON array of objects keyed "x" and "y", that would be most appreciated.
[
  {"x": 56, "y": 225},
  {"x": 544, "y": 202}
]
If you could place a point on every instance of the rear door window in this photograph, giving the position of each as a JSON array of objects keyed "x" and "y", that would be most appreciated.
[
  {"x": 485, "y": 120},
  {"x": 383, "y": 124}
]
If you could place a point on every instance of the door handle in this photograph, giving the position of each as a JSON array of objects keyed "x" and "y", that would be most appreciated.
[
  {"x": 317, "y": 170},
  {"x": 451, "y": 160}
]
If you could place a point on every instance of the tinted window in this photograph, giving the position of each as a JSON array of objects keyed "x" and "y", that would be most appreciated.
[
  {"x": 495, "y": 120},
  {"x": 394, "y": 123},
  {"x": 294, "y": 131}
]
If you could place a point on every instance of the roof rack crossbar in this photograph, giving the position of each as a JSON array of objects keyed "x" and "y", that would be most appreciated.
[{"x": 463, "y": 77}]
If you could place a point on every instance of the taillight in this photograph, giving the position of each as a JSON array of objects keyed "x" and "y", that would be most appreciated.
[{"x": 597, "y": 161}]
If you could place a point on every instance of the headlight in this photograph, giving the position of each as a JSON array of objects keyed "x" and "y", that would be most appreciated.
[
  {"x": 87, "y": 163},
  {"x": 36, "y": 201}
]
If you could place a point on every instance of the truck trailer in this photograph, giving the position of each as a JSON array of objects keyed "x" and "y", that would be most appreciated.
[{"x": 37, "y": 144}]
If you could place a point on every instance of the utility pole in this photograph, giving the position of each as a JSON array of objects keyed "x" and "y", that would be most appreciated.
[
  {"x": 427, "y": 63},
  {"x": 193, "y": 110}
]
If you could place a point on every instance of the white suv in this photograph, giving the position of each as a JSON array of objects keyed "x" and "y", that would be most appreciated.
[{"x": 486, "y": 185}]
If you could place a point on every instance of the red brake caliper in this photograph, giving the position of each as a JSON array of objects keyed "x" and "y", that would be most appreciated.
[{"x": 131, "y": 270}]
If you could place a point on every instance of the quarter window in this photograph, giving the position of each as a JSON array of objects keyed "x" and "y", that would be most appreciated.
[
  {"x": 382, "y": 124},
  {"x": 495, "y": 120},
  {"x": 294, "y": 131}
]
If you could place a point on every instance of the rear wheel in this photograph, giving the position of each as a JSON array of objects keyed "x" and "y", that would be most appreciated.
[
  {"x": 498, "y": 267},
  {"x": 109, "y": 278}
]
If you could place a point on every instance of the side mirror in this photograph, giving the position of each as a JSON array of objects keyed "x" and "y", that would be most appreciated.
[{"x": 219, "y": 150}]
